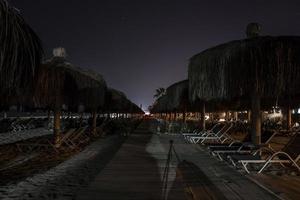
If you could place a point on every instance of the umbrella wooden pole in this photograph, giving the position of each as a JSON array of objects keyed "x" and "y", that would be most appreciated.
[
  {"x": 236, "y": 118},
  {"x": 212, "y": 117},
  {"x": 202, "y": 113},
  {"x": 227, "y": 115},
  {"x": 255, "y": 119},
  {"x": 184, "y": 116},
  {"x": 289, "y": 118},
  {"x": 56, "y": 128},
  {"x": 81, "y": 119},
  {"x": 248, "y": 116},
  {"x": 48, "y": 115},
  {"x": 94, "y": 124}
]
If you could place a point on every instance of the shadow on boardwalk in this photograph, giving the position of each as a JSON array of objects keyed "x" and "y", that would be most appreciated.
[
  {"x": 197, "y": 185},
  {"x": 138, "y": 171},
  {"x": 133, "y": 173}
]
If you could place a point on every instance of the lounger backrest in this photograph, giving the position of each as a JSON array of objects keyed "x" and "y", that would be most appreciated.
[
  {"x": 293, "y": 146},
  {"x": 68, "y": 134},
  {"x": 214, "y": 127},
  {"x": 227, "y": 128},
  {"x": 267, "y": 136},
  {"x": 79, "y": 132},
  {"x": 219, "y": 128}
]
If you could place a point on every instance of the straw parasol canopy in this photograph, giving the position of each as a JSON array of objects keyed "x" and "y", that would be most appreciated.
[
  {"x": 135, "y": 109},
  {"x": 117, "y": 102},
  {"x": 256, "y": 72},
  {"x": 20, "y": 55},
  {"x": 178, "y": 96},
  {"x": 269, "y": 66},
  {"x": 92, "y": 94},
  {"x": 60, "y": 83},
  {"x": 161, "y": 105},
  {"x": 175, "y": 99}
]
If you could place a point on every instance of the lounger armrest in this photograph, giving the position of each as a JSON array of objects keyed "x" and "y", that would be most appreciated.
[
  {"x": 235, "y": 142},
  {"x": 265, "y": 150},
  {"x": 254, "y": 146}
]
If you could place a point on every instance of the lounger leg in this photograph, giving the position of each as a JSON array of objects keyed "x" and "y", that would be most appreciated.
[
  {"x": 267, "y": 163},
  {"x": 195, "y": 141},
  {"x": 245, "y": 167},
  {"x": 192, "y": 140},
  {"x": 265, "y": 166},
  {"x": 231, "y": 160},
  {"x": 219, "y": 156}
]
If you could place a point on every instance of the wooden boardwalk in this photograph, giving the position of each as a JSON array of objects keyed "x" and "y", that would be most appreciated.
[{"x": 138, "y": 168}]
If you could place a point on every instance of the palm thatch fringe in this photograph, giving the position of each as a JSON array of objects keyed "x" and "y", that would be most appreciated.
[
  {"x": 20, "y": 54},
  {"x": 174, "y": 99},
  {"x": 267, "y": 65},
  {"x": 58, "y": 82},
  {"x": 117, "y": 102}
]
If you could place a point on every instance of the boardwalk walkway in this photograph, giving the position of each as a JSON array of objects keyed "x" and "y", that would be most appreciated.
[{"x": 138, "y": 168}]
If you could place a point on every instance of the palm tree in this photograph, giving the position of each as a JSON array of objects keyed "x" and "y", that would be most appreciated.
[
  {"x": 20, "y": 53},
  {"x": 159, "y": 92}
]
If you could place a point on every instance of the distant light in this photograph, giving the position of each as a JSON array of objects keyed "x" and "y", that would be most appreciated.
[
  {"x": 147, "y": 112},
  {"x": 222, "y": 120},
  {"x": 298, "y": 110}
]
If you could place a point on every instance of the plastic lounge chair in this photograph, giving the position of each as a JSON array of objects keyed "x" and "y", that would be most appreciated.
[
  {"x": 197, "y": 132},
  {"x": 100, "y": 128},
  {"x": 77, "y": 138},
  {"x": 216, "y": 130},
  {"x": 241, "y": 147},
  {"x": 290, "y": 154},
  {"x": 44, "y": 143},
  {"x": 220, "y": 136}
]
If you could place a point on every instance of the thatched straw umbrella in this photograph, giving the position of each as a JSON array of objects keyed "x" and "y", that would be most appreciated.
[
  {"x": 177, "y": 95},
  {"x": 20, "y": 55},
  {"x": 134, "y": 109},
  {"x": 93, "y": 95},
  {"x": 117, "y": 102},
  {"x": 175, "y": 99},
  {"x": 263, "y": 69},
  {"x": 161, "y": 105},
  {"x": 60, "y": 83}
]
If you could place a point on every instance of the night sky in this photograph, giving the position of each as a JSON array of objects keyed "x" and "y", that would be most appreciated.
[{"x": 140, "y": 45}]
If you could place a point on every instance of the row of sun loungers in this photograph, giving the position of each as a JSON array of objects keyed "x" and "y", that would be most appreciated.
[
  {"x": 21, "y": 124},
  {"x": 14, "y": 137},
  {"x": 290, "y": 154},
  {"x": 73, "y": 139},
  {"x": 243, "y": 153},
  {"x": 218, "y": 132}
]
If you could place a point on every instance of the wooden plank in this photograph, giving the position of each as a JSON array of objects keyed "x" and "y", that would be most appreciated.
[{"x": 137, "y": 172}]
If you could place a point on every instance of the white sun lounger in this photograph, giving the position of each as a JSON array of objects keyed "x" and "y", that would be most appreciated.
[
  {"x": 197, "y": 133},
  {"x": 290, "y": 154},
  {"x": 240, "y": 147},
  {"x": 220, "y": 136}
]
